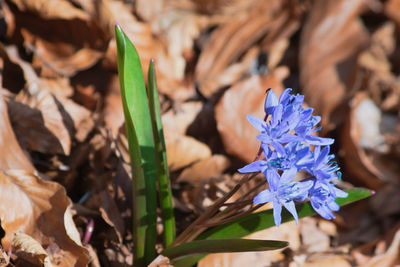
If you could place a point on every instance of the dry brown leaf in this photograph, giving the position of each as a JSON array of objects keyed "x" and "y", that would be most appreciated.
[
  {"x": 55, "y": 118},
  {"x": 331, "y": 261},
  {"x": 61, "y": 59},
  {"x": 389, "y": 258},
  {"x": 39, "y": 209},
  {"x": 392, "y": 10},
  {"x": 232, "y": 39},
  {"x": 178, "y": 120},
  {"x": 15, "y": 157},
  {"x": 317, "y": 241},
  {"x": 30, "y": 250},
  {"x": 245, "y": 98},
  {"x": 179, "y": 28},
  {"x": 55, "y": 9},
  {"x": 160, "y": 261},
  {"x": 4, "y": 258},
  {"x": 184, "y": 150},
  {"x": 361, "y": 132},
  {"x": 107, "y": 13},
  {"x": 205, "y": 169},
  {"x": 110, "y": 213},
  {"x": 331, "y": 40}
]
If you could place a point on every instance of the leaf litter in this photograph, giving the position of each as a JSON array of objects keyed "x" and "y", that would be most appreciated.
[{"x": 66, "y": 190}]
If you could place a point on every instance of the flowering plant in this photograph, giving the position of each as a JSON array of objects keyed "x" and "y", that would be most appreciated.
[
  {"x": 286, "y": 140},
  {"x": 286, "y": 137}
]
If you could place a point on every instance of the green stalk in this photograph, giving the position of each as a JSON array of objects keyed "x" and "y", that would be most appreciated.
[
  {"x": 164, "y": 183},
  {"x": 141, "y": 146}
]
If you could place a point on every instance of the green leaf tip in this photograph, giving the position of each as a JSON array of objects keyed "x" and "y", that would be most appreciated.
[{"x": 120, "y": 38}]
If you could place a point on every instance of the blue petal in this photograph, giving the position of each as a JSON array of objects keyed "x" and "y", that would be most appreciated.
[
  {"x": 322, "y": 210},
  {"x": 256, "y": 166},
  {"x": 277, "y": 212},
  {"x": 272, "y": 178},
  {"x": 340, "y": 193},
  {"x": 264, "y": 196},
  {"x": 288, "y": 175},
  {"x": 270, "y": 102},
  {"x": 322, "y": 157},
  {"x": 292, "y": 209},
  {"x": 257, "y": 123},
  {"x": 279, "y": 148},
  {"x": 284, "y": 97},
  {"x": 321, "y": 141}
]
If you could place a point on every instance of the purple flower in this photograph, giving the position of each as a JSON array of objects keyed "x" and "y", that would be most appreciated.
[
  {"x": 323, "y": 168},
  {"x": 286, "y": 137},
  {"x": 282, "y": 192},
  {"x": 294, "y": 155},
  {"x": 322, "y": 198}
]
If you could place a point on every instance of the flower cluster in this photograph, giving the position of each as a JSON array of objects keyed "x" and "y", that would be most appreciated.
[{"x": 285, "y": 139}]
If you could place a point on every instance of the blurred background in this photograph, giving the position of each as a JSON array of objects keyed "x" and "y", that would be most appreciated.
[{"x": 61, "y": 117}]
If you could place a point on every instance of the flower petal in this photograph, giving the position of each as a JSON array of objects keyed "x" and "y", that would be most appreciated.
[
  {"x": 292, "y": 209},
  {"x": 270, "y": 102},
  {"x": 256, "y": 166},
  {"x": 257, "y": 123},
  {"x": 264, "y": 196},
  {"x": 277, "y": 212}
]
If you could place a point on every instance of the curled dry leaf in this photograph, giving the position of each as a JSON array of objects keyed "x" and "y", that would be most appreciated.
[
  {"x": 30, "y": 250},
  {"x": 245, "y": 98},
  {"x": 111, "y": 215},
  {"x": 55, "y": 9},
  {"x": 179, "y": 28},
  {"x": 107, "y": 13},
  {"x": 178, "y": 120},
  {"x": 39, "y": 209},
  {"x": 331, "y": 40},
  {"x": 392, "y": 10},
  {"x": 61, "y": 59},
  {"x": 331, "y": 260},
  {"x": 16, "y": 158},
  {"x": 4, "y": 258},
  {"x": 51, "y": 118},
  {"x": 205, "y": 169},
  {"x": 389, "y": 258},
  {"x": 184, "y": 150},
  {"x": 160, "y": 261},
  {"x": 364, "y": 146},
  {"x": 231, "y": 40}
]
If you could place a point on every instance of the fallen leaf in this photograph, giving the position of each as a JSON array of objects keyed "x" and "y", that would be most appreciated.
[
  {"x": 204, "y": 169},
  {"x": 229, "y": 41},
  {"x": 110, "y": 213},
  {"x": 331, "y": 40},
  {"x": 359, "y": 134},
  {"x": 4, "y": 258},
  {"x": 56, "y": 9},
  {"x": 39, "y": 208},
  {"x": 332, "y": 261},
  {"x": 390, "y": 258},
  {"x": 16, "y": 158},
  {"x": 178, "y": 120},
  {"x": 245, "y": 98},
  {"x": 317, "y": 241},
  {"x": 184, "y": 150},
  {"x": 30, "y": 250}
]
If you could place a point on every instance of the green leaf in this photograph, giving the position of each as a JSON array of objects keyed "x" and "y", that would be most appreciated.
[
  {"x": 141, "y": 147},
  {"x": 221, "y": 245},
  {"x": 262, "y": 220},
  {"x": 164, "y": 183}
]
